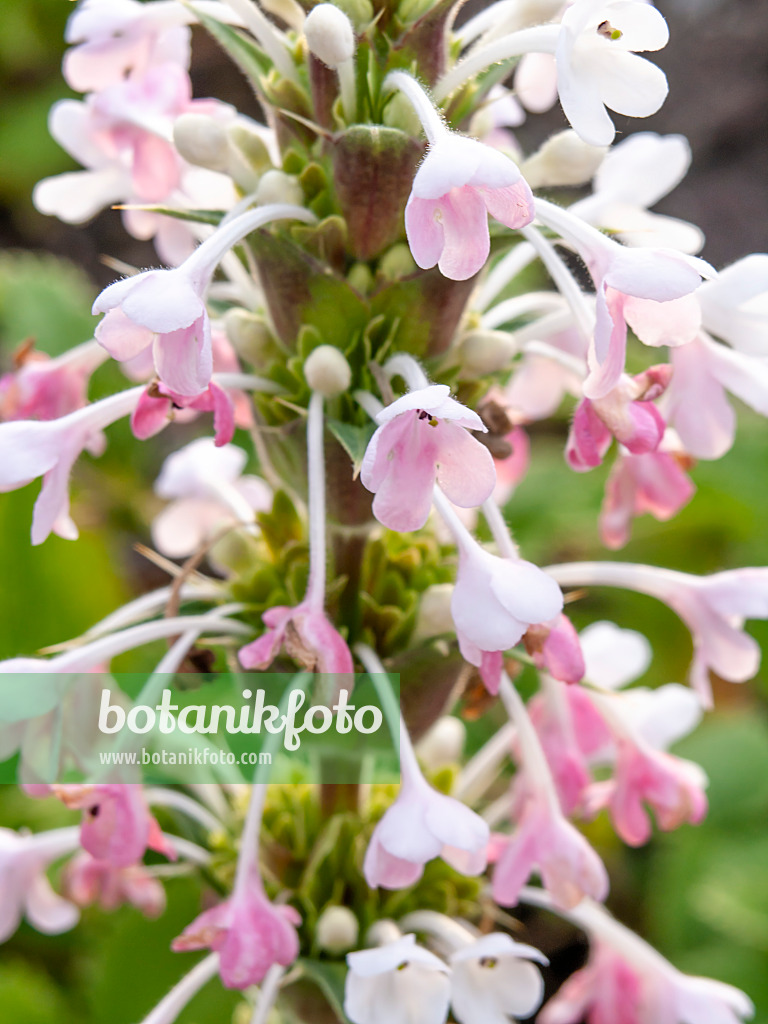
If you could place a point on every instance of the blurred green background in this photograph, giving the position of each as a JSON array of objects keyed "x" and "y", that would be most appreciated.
[{"x": 700, "y": 895}]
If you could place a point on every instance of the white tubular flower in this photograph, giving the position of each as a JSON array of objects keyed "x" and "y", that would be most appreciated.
[
  {"x": 494, "y": 980},
  {"x": 399, "y": 983},
  {"x": 597, "y": 65}
]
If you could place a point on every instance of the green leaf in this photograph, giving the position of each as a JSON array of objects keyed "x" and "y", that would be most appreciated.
[
  {"x": 354, "y": 440},
  {"x": 329, "y": 978}
]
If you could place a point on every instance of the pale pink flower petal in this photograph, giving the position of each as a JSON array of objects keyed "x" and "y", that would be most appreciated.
[
  {"x": 397, "y": 983},
  {"x": 494, "y": 978},
  {"x": 249, "y": 933}
]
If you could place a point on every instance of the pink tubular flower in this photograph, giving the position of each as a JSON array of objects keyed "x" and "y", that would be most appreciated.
[
  {"x": 457, "y": 185},
  {"x": 543, "y": 840},
  {"x": 621, "y": 275},
  {"x": 546, "y": 843},
  {"x": 249, "y": 933},
  {"x": 494, "y": 603},
  {"x": 422, "y": 439},
  {"x": 420, "y": 825},
  {"x": 49, "y": 449},
  {"x": 165, "y": 309},
  {"x": 305, "y": 634},
  {"x": 712, "y": 607},
  {"x": 87, "y": 880},
  {"x": 626, "y": 413},
  {"x": 626, "y": 981},
  {"x": 117, "y": 825},
  {"x": 672, "y": 787},
  {"x": 655, "y": 483},
  {"x": 42, "y": 388},
  {"x": 24, "y": 887}
]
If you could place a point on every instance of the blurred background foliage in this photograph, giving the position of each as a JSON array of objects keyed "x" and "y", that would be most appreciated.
[{"x": 700, "y": 895}]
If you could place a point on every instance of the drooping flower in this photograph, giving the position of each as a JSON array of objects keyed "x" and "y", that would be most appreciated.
[
  {"x": 117, "y": 825},
  {"x": 24, "y": 888},
  {"x": 50, "y": 448},
  {"x": 494, "y": 603},
  {"x": 424, "y": 438},
  {"x": 397, "y": 983},
  {"x": 42, "y": 388},
  {"x": 494, "y": 980},
  {"x": 306, "y": 634},
  {"x": 626, "y": 980},
  {"x": 644, "y": 279},
  {"x": 165, "y": 309},
  {"x": 249, "y": 933},
  {"x": 420, "y": 825},
  {"x": 459, "y": 182},
  {"x": 712, "y": 607}
]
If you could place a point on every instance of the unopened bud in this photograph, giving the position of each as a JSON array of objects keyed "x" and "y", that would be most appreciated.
[
  {"x": 434, "y": 616},
  {"x": 337, "y": 930},
  {"x": 397, "y": 262},
  {"x": 381, "y": 933},
  {"x": 443, "y": 744},
  {"x": 359, "y": 12},
  {"x": 279, "y": 187},
  {"x": 249, "y": 334},
  {"x": 564, "y": 159},
  {"x": 249, "y": 155},
  {"x": 327, "y": 371},
  {"x": 485, "y": 352},
  {"x": 330, "y": 35},
  {"x": 202, "y": 140}
]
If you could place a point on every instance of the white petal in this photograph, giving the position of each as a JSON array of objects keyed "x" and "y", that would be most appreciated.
[{"x": 613, "y": 656}]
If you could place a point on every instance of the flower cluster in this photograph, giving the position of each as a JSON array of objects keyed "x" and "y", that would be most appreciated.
[{"x": 346, "y": 290}]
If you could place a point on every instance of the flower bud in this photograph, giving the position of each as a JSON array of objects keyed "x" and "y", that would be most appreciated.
[
  {"x": 564, "y": 159},
  {"x": 382, "y": 932},
  {"x": 327, "y": 371},
  {"x": 202, "y": 140},
  {"x": 443, "y": 743},
  {"x": 337, "y": 930},
  {"x": 279, "y": 187},
  {"x": 330, "y": 35},
  {"x": 248, "y": 154},
  {"x": 434, "y": 616},
  {"x": 483, "y": 352},
  {"x": 249, "y": 335}
]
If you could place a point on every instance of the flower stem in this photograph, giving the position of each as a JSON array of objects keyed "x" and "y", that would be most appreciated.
[
  {"x": 316, "y": 474},
  {"x": 431, "y": 121},
  {"x": 541, "y": 39},
  {"x": 169, "y": 1008}
]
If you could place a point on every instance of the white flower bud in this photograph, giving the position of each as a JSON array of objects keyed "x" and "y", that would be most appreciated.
[
  {"x": 434, "y": 616},
  {"x": 337, "y": 930},
  {"x": 279, "y": 187},
  {"x": 327, "y": 371},
  {"x": 564, "y": 159},
  {"x": 443, "y": 743},
  {"x": 330, "y": 35},
  {"x": 382, "y": 932},
  {"x": 202, "y": 140},
  {"x": 249, "y": 334},
  {"x": 485, "y": 352}
]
